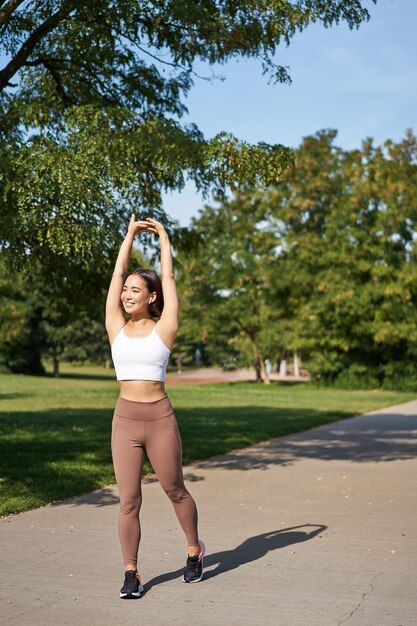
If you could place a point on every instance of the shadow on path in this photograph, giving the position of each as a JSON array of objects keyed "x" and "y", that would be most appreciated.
[
  {"x": 250, "y": 550},
  {"x": 100, "y": 497},
  {"x": 369, "y": 437}
]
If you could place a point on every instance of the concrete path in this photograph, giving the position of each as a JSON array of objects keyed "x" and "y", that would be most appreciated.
[
  {"x": 316, "y": 529},
  {"x": 218, "y": 375}
]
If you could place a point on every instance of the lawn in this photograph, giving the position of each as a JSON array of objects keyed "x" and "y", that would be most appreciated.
[{"x": 55, "y": 433}]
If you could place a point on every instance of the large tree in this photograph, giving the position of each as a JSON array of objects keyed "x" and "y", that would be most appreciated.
[
  {"x": 230, "y": 302},
  {"x": 91, "y": 96},
  {"x": 350, "y": 222},
  {"x": 142, "y": 54},
  {"x": 325, "y": 263}
]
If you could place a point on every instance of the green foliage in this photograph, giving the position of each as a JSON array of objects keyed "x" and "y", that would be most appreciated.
[
  {"x": 86, "y": 340},
  {"x": 349, "y": 257},
  {"x": 69, "y": 193},
  {"x": 90, "y": 98},
  {"x": 21, "y": 339},
  {"x": 324, "y": 263},
  {"x": 357, "y": 376},
  {"x": 141, "y": 54},
  {"x": 400, "y": 375},
  {"x": 52, "y": 312},
  {"x": 227, "y": 290}
]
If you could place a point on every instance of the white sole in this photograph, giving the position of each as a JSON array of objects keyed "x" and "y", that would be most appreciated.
[
  {"x": 197, "y": 580},
  {"x": 135, "y": 594}
]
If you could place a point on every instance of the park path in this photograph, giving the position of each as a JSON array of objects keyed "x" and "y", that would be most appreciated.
[
  {"x": 314, "y": 529},
  {"x": 218, "y": 375}
]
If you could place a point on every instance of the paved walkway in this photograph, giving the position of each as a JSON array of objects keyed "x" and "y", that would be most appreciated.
[
  {"x": 315, "y": 529},
  {"x": 203, "y": 375}
]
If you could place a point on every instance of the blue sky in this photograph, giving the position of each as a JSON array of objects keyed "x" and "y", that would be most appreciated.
[{"x": 362, "y": 83}]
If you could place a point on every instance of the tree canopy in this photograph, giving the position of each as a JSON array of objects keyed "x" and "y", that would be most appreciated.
[
  {"x": 141, "y": 54},
  {"x": 324, "y": 263},
  {"x": 91, "y": 99}
]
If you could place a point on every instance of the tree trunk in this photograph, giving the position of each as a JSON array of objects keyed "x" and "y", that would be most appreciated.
[
  {"x": 263, "y": 374},
  {"x": 283, "y": 367},
  {"x": 283, "y": 364},
  {"x": 297, "y": 363},
  {"x": 258, "y": 371},
  {"x": 55, "y": 361}
]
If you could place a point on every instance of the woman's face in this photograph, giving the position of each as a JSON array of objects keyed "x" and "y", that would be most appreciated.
[{"x": 135, "y": 295}]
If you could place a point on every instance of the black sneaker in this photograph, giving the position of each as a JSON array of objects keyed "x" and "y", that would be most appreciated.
[
  {"x": 193, "y": 572},
  {"x": 132, "y": 587}
]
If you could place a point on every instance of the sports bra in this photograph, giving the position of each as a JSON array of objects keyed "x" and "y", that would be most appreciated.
[{"x": 140, "y": 358}]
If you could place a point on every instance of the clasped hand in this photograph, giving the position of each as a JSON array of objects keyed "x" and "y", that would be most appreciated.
[{"x": 148, "y": 225}]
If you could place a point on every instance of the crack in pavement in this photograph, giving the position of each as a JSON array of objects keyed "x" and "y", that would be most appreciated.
[{"x": 362, "y": 600}]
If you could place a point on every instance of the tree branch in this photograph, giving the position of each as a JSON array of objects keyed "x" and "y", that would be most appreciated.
[
  {"x": 27, "y": 48},
  {"x": 7, "y": 10},
  {"x": 49, "y": 65},
  {"x": 52, "y": 65}
]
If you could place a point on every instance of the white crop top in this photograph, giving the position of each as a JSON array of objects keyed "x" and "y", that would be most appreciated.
[{"x": 140, "y": 358}]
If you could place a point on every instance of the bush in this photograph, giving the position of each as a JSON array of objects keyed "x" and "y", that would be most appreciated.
[
  {"x": 399, "y": 376},
  {"x": 394, "y": 376},
  {"x": 358, "y": 376}
]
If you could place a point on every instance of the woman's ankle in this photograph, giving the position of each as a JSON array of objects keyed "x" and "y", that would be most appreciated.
[
  {"x": 193, "y": 550},
  {"x": 131, "y": 567}
]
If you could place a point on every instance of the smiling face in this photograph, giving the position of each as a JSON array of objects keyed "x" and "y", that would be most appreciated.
[{"x": 136, "y": 295}]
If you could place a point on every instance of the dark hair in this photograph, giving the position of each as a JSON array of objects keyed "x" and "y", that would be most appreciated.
[{"x": 153, "y": 282}]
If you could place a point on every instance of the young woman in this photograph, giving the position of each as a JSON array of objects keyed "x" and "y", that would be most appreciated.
[{"x": 143, "y": 418}]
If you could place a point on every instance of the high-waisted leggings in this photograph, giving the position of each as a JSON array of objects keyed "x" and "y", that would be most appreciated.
[{"x": 151, "y": 427}]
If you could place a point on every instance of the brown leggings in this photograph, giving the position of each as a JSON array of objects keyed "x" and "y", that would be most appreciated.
[{"x": 150, "y": 426}]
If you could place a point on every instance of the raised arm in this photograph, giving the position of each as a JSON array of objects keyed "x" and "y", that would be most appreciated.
[
  {"x": 169, "y": 320},
  {"x": 114, "y": 316}
]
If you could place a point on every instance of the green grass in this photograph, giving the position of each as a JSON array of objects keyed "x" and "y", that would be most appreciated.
[{"x": 55, "y": 433}]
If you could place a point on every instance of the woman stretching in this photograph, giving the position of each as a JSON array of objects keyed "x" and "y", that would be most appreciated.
[{"x": 143, "y": 418}]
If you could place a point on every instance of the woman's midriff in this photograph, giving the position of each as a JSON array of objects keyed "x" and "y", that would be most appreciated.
[{"x": 142, "y": 390}]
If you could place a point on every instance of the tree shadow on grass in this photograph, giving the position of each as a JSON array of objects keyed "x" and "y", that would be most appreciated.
[
  {"x": 64, "y": 452},
  {"x": 252, "y": 549},
  {"x": 83, "y": 376},
  {"x": 14, "y": 396}
]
